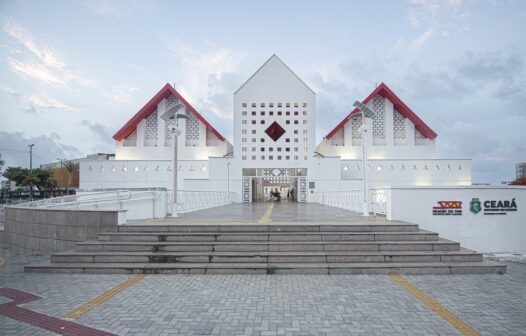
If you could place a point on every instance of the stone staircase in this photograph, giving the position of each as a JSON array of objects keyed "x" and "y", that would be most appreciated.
[{"x": 344, "y": 248}]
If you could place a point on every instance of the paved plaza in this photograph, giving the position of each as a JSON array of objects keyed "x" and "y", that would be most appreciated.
[{"x": 264, "y": 304}]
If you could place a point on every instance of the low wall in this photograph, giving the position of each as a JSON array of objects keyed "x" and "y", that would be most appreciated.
[
  {"x": 53, "y": 230},
  {"x": 482, "y": 218}
]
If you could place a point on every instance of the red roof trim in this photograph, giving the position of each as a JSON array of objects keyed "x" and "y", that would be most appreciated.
[
  {"x": 398, "y": 104},
  {"x": 150, "y": 107}
]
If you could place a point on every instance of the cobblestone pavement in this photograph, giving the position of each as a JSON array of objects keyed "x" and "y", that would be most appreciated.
[{"x": 269, "y": 304}]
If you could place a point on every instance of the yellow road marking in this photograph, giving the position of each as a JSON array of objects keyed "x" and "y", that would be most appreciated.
[
  {"x": 85, "y": 308},
  {"x": 2, "y": 261},
  {"x": 447, "y": 315},
  {"x": 266, "y": 215}
]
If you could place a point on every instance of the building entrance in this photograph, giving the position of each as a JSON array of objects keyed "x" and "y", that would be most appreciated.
[{"x": 273, "y": 184}]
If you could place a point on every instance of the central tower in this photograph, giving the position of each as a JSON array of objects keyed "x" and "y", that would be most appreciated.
[{"x": 274, "y": 130}]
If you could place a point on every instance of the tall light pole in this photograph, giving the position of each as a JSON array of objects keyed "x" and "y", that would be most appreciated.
[
  {"x": 172, "y": 115},
  {"x": 31, "y": 170},
  {"x": 228, "y": 156},
  {"x": 366, "y": 112},
  {"x": 61, "y": 175}
]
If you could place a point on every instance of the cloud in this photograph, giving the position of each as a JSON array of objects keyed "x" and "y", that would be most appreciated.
[
  {"x": 102, "y": 133},
  {"x": 47, "y": 148},
  {"x": 123, "y": 94},
  {"x": 116, "y": 8},
  {"x": 40, "y": 61},
  {"x": 45, "y": 102},
  {"x": 420, "y": 40},
  {"x": 36, "y": 102},
  {"x": 207, "y": 75}
]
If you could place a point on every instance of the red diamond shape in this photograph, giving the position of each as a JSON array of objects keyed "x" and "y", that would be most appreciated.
[{"x": 275, "y": 131}]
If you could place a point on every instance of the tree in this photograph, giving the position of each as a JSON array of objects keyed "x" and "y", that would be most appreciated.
[
  {"x": 70, "y": 167},
  {"x": 41, "y": 178}
]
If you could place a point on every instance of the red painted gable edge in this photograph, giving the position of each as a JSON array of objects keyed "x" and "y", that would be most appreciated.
[
  {"x": 151, "y": 106},
  {"x": 398, "y": 104}
]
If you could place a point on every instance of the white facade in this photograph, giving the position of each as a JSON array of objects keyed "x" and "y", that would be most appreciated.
[{"x": 275, "y": 145}]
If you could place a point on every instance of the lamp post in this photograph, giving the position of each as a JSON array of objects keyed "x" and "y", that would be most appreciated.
[
  {"x": 173, "y": 115},
  {"x": 31, "y": 170},
  {"x": 61, "y": 175},
  {"x": 366, "y": 112},
  {"x": 228, "y": 156}
]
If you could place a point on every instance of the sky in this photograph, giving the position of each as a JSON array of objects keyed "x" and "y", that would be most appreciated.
[{"x": 73, "y": 72}]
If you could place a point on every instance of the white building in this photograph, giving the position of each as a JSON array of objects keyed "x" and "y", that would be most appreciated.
[{"x": 275, "y": 145}]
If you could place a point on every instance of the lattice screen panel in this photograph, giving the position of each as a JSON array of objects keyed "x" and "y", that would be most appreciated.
[
  {"x": 398, "y": 125},
  {"x": 171, "y": 101},
  {"x": 131, "y": 140},
  {"x": 418, "y": 135},
  {"x": 379, "y": 117},
  {"x": 338, "y": 138},
  {"x": 150, "y": 133},
  {"x": 192, "y": 130},
  {"x": 356, "y": 123}
]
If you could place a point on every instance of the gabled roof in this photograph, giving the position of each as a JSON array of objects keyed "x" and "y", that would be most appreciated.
[
  {"x": 274, "y": 56},
  {"x": 151, "y": 106},
  {"x": 398, "y": 105}
]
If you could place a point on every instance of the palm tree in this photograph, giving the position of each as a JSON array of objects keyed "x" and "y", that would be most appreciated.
[{"x": 70, "y": 167}]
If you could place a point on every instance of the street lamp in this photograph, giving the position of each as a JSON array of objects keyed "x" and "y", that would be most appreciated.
[
  {"x": 61, "y": 175},
  {"x": 228, "y": 156},
  {"x": 366, "y": 113},
  {"x": 172, "y": 115}
]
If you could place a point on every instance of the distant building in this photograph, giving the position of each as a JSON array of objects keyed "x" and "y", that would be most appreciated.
[{"x": 520, "y": 170}]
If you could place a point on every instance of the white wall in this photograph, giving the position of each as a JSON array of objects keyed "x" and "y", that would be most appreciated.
[{"x": 480, "y": 232}]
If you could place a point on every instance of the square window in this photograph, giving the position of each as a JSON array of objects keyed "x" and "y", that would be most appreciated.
[
  {"x": 253, "y": 104},
  {"x": 253, "y": 139},
  {"x": 288, "y": 105},
  {"x": 262, "y": 122},
  {"x": 304, "y": 104},
  {"x": 244, "y": 105},
  {"x": 305, "y": 157},
  {"x": 287, "y": 140},
  {"x": 279, "y": 112},
  {"x": 253, "y": 131},
  {"x": 243, "y": 122},
  {"x": 253, "y": 122},
  {"x": 271, "y": 157},
  {"x": 253, "y": 157},
  {"x": 270, "y": 104},
  {"x": 279, "y": 157},
  {"x": 244, "y": 132},
  {"x": 288, "y": 113},
  {"x": 253, "y": 113},
  {"x": 296, "y": 113},
  {"x": 262, "y": 104},
  {"x": 262, "y": 157},
  {"x": 306, "y": 149},
  {"x": 271, "y": 149},
  {"x": 304, "y": 122},
  {"x": 295, "y": 122},
  {"x": 243, "y": 139},
  {"x": 244, "y": 113},
  {"x": 295, "y": 157},
  {"x": 244, "y": 149},
  {"x": 244, "y": 157},
  {"x": 305, "y": 140},
  {"x": 262, "y": 140},
  {"x": 295, "y": 131},
  {"x": 296, "y": 105},
  {"x": 287, "y": 122},
  {"x": 287, "y": 157},
  {"x": 287, "y": 149},
  {"x": 279, "y": 149},
  {"x": 271, "y": 113},
  {"x": 304, "y": 113},
  {"x": 262, "y": 113},
  {"x": 253, "y": 149},
  {"x": 296, "y": 149},
  {"x": 295, "y": 139},
  {"x": 279, "y": 104},
  {"x": 262, "y": 149},
  {"x": 304, "y": 131}
]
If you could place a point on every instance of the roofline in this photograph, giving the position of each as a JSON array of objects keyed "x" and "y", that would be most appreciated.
[
  {"x": 261, "y": 67},
  {"x": 151, "y": 106},
  {"x": 403, "y": 109}
]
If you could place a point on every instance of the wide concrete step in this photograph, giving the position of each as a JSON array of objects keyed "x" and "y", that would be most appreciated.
[
  {"x": 463, "y": 255},
  {"x": 366, "y": 226},
  {"x": 266, "y": 236},
  {"x": 485, "y": 267},
  {"x": 267, "y": 246}
]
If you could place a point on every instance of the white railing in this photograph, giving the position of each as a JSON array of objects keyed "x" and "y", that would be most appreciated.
[
  {"x": 190, "y": 200},
  {"x": 352, "y": 200}
]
